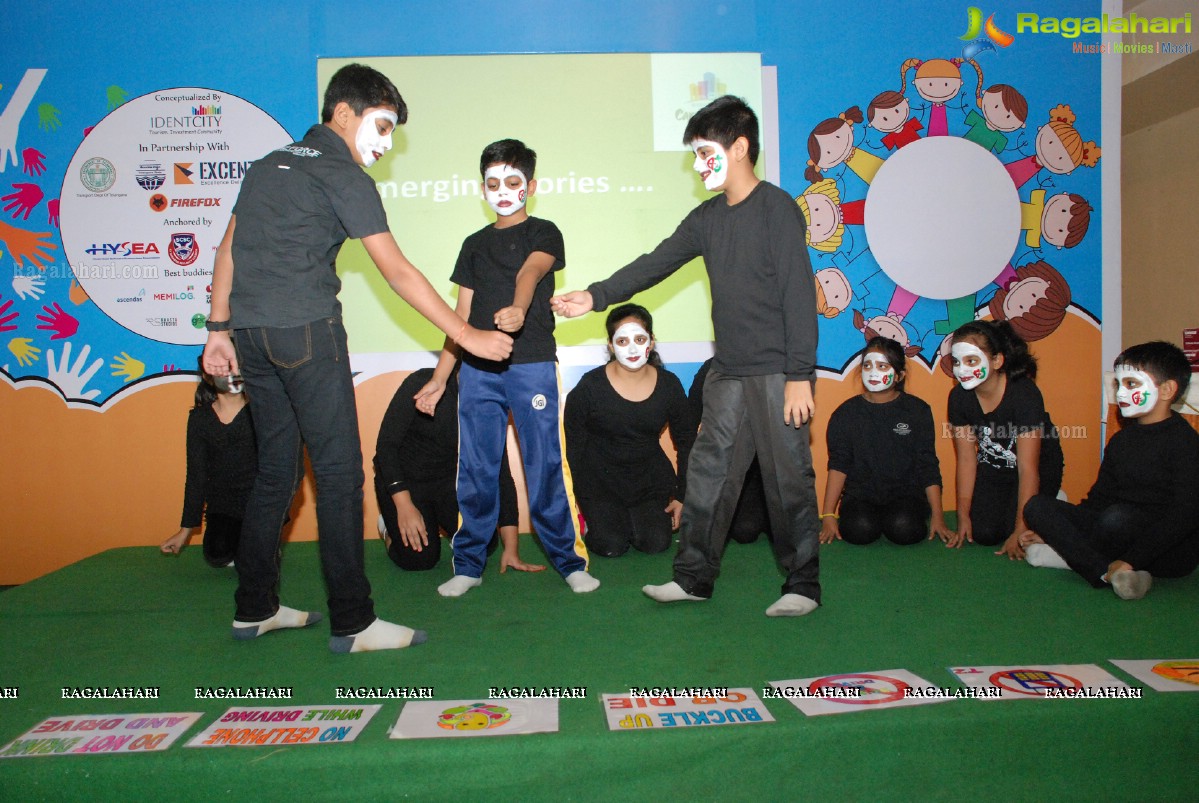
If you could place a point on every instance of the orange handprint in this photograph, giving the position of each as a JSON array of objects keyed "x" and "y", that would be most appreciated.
[{"x": 26, "y": 245}]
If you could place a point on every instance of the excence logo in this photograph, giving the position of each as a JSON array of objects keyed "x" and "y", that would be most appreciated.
[{"x": 184, "y": 173}]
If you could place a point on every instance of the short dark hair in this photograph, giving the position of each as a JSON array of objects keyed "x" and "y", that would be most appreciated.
[
  {"x": 1162, "y": 361},
  {"x": 363, "y": 88},
  {"x": 893, "y": 352},
  {"x": 509, "y": 152},
  {"x": 724, "y": 120}
]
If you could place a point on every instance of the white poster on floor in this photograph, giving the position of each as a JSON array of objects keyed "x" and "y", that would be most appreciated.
[
  {"x": 309, "y": 724},
  {"x": 470, "y": 718},
  {"x": 858, "y": 691},
  {"x": 638, "y": 712},
  {"x": 1179, "y": 674},
  {"x": 96, "y": 734},
  {"x": 1044, "y": 681}
]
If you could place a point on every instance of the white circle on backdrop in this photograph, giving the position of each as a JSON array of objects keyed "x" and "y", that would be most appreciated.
[
  {"x": 147, "y": 198},
  {"x": 942, "y": 217}
]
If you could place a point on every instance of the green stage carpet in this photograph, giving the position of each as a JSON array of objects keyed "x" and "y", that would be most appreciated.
[{"x": 132, "y": 617}]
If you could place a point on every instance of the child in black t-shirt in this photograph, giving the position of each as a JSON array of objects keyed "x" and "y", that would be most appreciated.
[
  {"x": 1141, "y": 517},
  {"x": 222, "y": 459},
  {"x": 1007, "y": 447},
  {"x": 882, "y": 459},
  {"x": 505, "y": 278}
]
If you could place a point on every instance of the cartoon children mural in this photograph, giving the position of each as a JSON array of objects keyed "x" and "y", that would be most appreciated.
[
  {"x": 1060, "y": 149},
  {"x": 890, "y": 113},
  {"x": 831, "y": 144},
  {"x": 1004, "y": 111},
  {"x": 833, "y": 292},
  {"x": 938, "y": 81},
  {"x": 825, "y": 216},
  {"x": 1061, "y": 221},
  {"x": 1032, "y": 298}
]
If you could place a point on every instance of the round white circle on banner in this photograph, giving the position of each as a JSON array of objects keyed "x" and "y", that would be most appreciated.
[
  {"x": 147, "y": 198},
  {"x": 942, "y": 217}
]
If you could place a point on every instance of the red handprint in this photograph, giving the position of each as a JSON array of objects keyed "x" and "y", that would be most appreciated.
[
  {"x": 33, "y": 164},
  {"x": 52, "y": 212},
  {"x": 24, "y": 199},
  {"x": 4, "y": 319},
  {"x": 57, "y": 321}
]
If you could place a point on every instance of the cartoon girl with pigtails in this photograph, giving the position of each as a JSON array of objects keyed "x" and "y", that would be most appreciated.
[
  {"x": 938, "y": 81},
  {"x": 1060, "y": 149},
  {"x": 831, "y": 144}
]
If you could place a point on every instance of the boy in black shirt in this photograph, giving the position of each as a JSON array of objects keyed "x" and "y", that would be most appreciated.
[
  {"x": 296, "y": 207},
  {"x": 758, "y": 395},
  {"x": 505, "y": 278},
  {"x": 1141, "y": 517}
]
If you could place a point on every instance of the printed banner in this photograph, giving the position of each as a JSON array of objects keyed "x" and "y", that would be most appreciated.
[
  {"x": 636, "y": 712},
  {"x": 146, "y": 201},
  {"x": 310, "y": 724},
  {"x": 1049, "y": 681},
  {"x": 91, "y": 734},
  {"x": 1180, "y": 674},
  {"x": 859, "y": 691},
  {"x": 457, "y": 718}
]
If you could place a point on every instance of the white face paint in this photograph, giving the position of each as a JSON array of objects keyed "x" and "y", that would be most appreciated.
[
  {"x": 505, "y": 189},
  {"x": 370, "y": 143},
  {"x": 971, "y": 366},
  {"x": 711, "y": 162},
  {"x": 1136, "y": 392},
  {"x": 631, "y": 344},
  {"x": 877, "y": 373},
  {"x": 229, "y": 384}
]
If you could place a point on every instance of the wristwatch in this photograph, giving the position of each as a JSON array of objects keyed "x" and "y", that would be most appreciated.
[{"x": 217, "y": 326}]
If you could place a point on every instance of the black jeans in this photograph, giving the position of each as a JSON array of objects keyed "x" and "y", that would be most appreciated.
[
  {"x": 301, "y": 393},
  {"x": 743, "y": 416}
]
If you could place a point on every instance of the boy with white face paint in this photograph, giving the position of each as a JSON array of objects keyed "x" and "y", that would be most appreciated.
[
  {"x": 628, "y": 492},
  {"x": 505, "y": 279},
  {"x": 1140, "y": 519},
  {"x": 296, "y": 207},
  {"x": 758, "y": 394}
]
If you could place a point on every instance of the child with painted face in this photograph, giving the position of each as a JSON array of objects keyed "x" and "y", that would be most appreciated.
[
  {"x": 505, "y": 279},
  {"x": 1006, "y": 445},
  {"x": 882, "y": 460},
  {"x": 222, "y": 461},
  {"x": 627, "y": 489},
  {"x": 274, "y": 295},
  {"x": 758, "y": 394},
  {"x": 1140, "y": 519}
]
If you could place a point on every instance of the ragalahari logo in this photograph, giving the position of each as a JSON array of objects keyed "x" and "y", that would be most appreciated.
[{"x": 975, "y": 26}]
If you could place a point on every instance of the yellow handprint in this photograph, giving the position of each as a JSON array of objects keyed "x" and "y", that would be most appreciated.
[
  {"x": 23, "y": 349},
  {"x": 129, "y": 367}
]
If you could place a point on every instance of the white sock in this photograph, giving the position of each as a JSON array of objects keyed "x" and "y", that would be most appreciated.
[
  {"x": 1131, "y": 585},
  {"x": 379, "y": 635},
  {"x": 458, "y": 585},
  {"x": 792, "y": 605},
  {"x": 284, "y": 617},
  {"x": 581, "y": 582},
  {"x": 669, "y": 592},
  {"x": 1045, "y": 557}
]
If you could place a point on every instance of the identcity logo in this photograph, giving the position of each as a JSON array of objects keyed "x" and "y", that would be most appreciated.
[{"x": 198, "y": 111}]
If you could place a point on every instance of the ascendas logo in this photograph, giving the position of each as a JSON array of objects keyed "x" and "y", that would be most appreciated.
[{"x": 1072, "y": 27}]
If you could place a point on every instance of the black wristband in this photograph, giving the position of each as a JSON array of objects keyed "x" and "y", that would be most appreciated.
[{"x": 217, "y": 326}]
